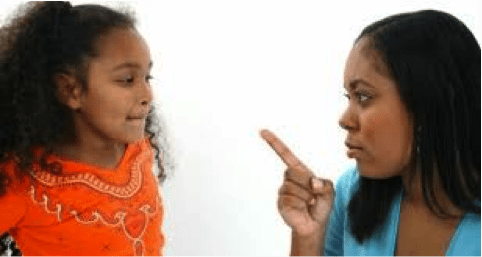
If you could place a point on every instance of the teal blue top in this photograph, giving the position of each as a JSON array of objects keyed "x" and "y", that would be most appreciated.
[{"x": 339, "y": 240}]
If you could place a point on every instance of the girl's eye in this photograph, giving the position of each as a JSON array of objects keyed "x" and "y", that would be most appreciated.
[{"x": 127, "y": 80}]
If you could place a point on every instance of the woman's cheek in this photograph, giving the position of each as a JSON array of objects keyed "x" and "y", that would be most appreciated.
[{"x": 379, "y": 134}]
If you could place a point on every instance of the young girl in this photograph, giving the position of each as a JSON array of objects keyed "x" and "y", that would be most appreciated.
[{"x": 77, "y": 134}]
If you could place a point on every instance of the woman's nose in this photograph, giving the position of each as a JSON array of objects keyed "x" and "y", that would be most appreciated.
[{"x": 348, "y": 119}]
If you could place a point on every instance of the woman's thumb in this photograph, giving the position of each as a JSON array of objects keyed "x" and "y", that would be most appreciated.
[
  {"x": 321, "y": 208},
  {"x": 317, "y": 185}
]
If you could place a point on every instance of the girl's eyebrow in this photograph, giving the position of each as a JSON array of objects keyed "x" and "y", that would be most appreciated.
[{"x": 130, "y": 65}]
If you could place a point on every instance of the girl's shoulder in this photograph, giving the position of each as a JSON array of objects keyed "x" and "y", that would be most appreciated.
[
  {"x": 12, "y": 181},
  {"x": 9, "y": 170}
]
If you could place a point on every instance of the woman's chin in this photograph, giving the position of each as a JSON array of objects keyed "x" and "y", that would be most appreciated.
[{"x": 372, "y": 172}]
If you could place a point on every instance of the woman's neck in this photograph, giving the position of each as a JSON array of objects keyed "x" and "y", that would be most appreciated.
[{"x": 414, "y": 195}]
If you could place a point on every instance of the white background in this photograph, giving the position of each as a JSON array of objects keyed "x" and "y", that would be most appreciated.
[{"x": 226, "y": 69}]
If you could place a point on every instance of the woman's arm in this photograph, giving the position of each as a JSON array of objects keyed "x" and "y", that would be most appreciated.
[
  {"x": 329, "y": 237},
  {"x": 304, "y": 200},
  {"x": 311, "y": 245}
]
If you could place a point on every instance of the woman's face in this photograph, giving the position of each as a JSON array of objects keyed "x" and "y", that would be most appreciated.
[{"x": 380, "y": 131}]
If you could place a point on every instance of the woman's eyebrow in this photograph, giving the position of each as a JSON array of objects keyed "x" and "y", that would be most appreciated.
[{"x": 354, "y": 84}]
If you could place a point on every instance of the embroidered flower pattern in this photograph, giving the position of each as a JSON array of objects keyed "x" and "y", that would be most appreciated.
[{"x": 94, "y": 182}]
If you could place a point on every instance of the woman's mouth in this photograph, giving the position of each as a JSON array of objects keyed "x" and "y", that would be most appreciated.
[{"x": 354, "y": 151}]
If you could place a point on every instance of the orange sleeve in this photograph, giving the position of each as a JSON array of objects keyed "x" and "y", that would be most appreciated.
[{"x": 13, "y": 205}]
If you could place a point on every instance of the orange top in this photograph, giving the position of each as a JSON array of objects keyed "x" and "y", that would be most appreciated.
[{"x": 87, "y": 210}]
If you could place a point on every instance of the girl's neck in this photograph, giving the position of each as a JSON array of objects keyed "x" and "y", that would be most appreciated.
[{"x": 102, "y": 153}]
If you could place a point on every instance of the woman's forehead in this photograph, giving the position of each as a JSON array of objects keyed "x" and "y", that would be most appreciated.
[
  {"x": 363, "y": 59},
  {"x": 366, "y": 64}
]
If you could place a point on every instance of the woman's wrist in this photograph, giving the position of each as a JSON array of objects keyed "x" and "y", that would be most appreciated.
[
  {"x": 311, "y": 238},
  {"x": 307, "y": 244}
]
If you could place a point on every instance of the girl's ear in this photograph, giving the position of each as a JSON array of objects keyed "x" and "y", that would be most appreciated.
[{"x": 69, "y": 90}]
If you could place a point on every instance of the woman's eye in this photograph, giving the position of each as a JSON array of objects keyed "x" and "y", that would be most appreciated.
[
  {"x": 148, "y": 78},
  {"x": 362, "y": 97}
]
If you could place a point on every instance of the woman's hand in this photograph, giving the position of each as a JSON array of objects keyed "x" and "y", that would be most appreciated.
[{"x": 304, "y": 201}]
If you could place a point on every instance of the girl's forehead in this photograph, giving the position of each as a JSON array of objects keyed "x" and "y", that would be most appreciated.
[
  {"x": 122, "y": 45},
  {"x": 121, "y": 41}
]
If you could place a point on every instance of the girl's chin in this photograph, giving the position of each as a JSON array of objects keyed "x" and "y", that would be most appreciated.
[{"x": 134, "y": 138}]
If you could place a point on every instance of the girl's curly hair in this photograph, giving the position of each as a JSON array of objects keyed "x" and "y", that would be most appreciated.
[{"x": 44, "y": 39}]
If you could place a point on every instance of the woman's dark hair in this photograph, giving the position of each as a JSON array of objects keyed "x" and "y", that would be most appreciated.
[
  {"x": 42, "y": 40},
  {"x": 435, "y": 60}
]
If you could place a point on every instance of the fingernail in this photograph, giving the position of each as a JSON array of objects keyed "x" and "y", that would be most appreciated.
[
  {"x": 263, "y": 132},
  {"x": 316, "y": 184},
  {"x": 312, "y": 201}
]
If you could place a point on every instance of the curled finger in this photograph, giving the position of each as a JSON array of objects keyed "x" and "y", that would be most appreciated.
[
  {"x": 322, "y": 186},
  {"x": 289, "y": 202},
  {"x": 299, "y": 176},
  {"x": 293, "y": 189}
]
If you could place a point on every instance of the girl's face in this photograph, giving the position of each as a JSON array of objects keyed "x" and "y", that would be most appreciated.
[
  {"x": 118, "y": 98},
  {"x": 379, "y": 127}
]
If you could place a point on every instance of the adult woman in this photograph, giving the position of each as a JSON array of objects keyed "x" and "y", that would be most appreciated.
[{"x": 413, "y": 123}]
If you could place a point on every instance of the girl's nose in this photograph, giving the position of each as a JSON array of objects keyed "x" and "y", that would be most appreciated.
[{"x": 146, "y": 95}]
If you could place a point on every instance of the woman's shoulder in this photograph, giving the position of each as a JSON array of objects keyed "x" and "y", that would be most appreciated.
[
  {"x": 466, "y": 240},
  {"x": 347, "y": 182},
  {"x": 472, "y": 222}
]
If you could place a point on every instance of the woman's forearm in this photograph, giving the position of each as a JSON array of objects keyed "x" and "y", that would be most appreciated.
[{"x": 312, "y": 245}]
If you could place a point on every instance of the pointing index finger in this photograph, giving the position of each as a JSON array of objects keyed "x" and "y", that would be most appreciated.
[{"x": 281, "y": 149}]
